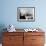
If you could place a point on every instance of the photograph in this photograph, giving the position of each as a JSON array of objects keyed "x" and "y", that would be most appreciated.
[
  {"x": 22, "y": 23},
  {"x": 26, "y": 14}
]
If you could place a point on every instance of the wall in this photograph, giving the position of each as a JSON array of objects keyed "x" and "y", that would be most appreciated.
[{"x": 8, "y": 15}]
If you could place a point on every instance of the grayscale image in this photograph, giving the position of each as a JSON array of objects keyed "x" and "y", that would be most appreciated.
[{"x": 25, "y": 13}]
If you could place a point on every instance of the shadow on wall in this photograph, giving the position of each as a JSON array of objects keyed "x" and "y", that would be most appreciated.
[{"x": 2, "y": 26}]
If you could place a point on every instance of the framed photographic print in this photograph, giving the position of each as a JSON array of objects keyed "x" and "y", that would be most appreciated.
[{"x": 26, "y": 14}]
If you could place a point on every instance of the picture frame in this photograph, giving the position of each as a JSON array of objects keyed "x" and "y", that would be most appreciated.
[{"x": 26, "y": 14}]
